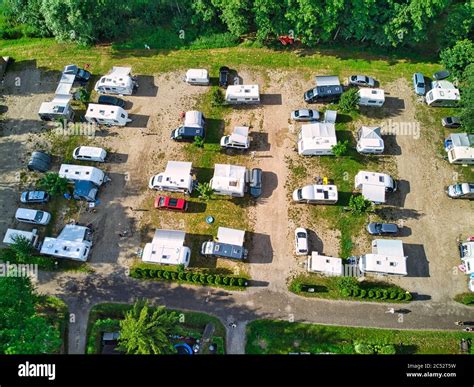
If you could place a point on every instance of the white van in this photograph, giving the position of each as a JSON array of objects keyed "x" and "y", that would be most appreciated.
[
  {"x": 197, "y": 77},
  {"x": 89, "y": 153},
  {"x": 32, "y": 216}
]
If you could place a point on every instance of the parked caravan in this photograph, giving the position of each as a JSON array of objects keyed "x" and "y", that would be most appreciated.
[
  {"x": 316, "y": 194},
  {"x": 371, "y": 97},
  {"x": 89, "y": 153},
  {"x": 167, "y": 248},
  {"x": 239, "y": 139},
  {"x": 106, "y": 115},
  {"x": 374, "y": 185},
  {"x": 197, "y": 77},
  {"x": 80, "y": 172},
  {"x": 443, "y": 93},
  {"x": 27, "y": 215},
  {"x": 460, "y": 148},
  {"x": 31, "y": 236},
  {"x": 321, "y": 264},
  {"x": 317, "y": 139},
  {"x": 387, "y": 257},
  {"x": 194, "y": 126},
  {"x": 119, "y": 81},
  {"x": 242, "y": 94},
  {"x": 229, "y": 244},
  {"x": 58, "y": 109},
  {"x": 177, "y": 177},
  {"x": 328, "y": 88},
  {"x": 369, "y": 140},
  {"x": 228, "y": 180},
  {"x": 73, "y": 242},
  {"x": 461, "y": 191}
]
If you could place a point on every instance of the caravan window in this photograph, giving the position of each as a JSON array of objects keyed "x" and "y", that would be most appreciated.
[
  {"x": 372, "y": 102},
  {"x": 122, "y": 115}
]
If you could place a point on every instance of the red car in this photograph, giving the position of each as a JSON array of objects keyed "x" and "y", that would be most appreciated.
[{"x": 165, "y": 202}]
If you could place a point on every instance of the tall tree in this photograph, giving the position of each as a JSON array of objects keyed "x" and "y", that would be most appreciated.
[
  {"x": 458, "y": 57},
  {"x": 467, "y": 99}
]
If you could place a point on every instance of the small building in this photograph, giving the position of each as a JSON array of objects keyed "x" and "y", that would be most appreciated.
[
  {"x": 370, "y": 140},
  {"x": 460, "y": 148},
  {"x": 81, "y": 172},
  {"x": 228, "y": 180},
  {"x": 242, "y": 94},
  {"x": 373, "y": 185},
  {"x": 74, "y": 242},
  {"x": 325, "y": 265},
  {"x": 107, "y": 115},
  {"x": 229, "y": 244},
  {"x": 197, "y": 77},
  {"x": 387, "y": 257},
  {"x": 177, "y": 177},
  {"x": 317, "y": 139},
  {"x": 119, "y": 81},
  {"x": 11, "y": 235},
  {"x": 371, "y": 97},
  {"x": 239, "y": 138},
  {"x": 167, "y": 248}
]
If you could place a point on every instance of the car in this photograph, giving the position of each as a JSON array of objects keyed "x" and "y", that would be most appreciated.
[
  {"x": 305, "y": 115},
  {"x": 361, "y": 80},
  {"x": 419, "y": 83},
  {"x": 451, "y": 122},
  {"x": 439, "y": 75},
  {"x": 82, "y": 75},
  {"x": 224, "y": 72},
  {"x": 89, "y": 153},
  {"x": 34, "y": 197},
  {"x": 255, "y": 183},
  {"x": 375, "y": 228},
  {"x": 169, "y": 203},
  {"x": 322, "y": 94},
  {"x": 110, "y": 100},
  {"x": 32, "y": 216},
  {"x": 301, "y": 241}
]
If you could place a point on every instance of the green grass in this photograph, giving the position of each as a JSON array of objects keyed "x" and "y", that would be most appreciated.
[
  {"x": 56, "y": 312},
  {"x": 465, "y": 298},
  {"x": 281, "y": 337}
]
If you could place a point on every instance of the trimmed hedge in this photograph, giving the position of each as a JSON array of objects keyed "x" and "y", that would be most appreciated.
[{"x": 195, "y": 278}]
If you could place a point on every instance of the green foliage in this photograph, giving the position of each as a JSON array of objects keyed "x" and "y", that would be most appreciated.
[
  {"x": 401, "y": 296},
  {"x": 349, "y": 101},
  {"x": 345, "y": 292},
  {"x": 387, "y": 349},
  {"x": 363, "y": 293},
  {"x": 370, "y": 294},
  {"x": 465, "y": 298},
  {"x": 408, "y": 296},
  {"x": 467, "y": 100},
  {"x": 349, "y": 283},
  {"x": 459, "y": 24},
  {"x": 363, "y": 348},
  {"x": 54, "y": 184},
  {"x": 83, "y": 94},
  {"x": 205, "y": 191},
  {"x": 198, "y": 142},
  {"x": 217, "y": 98},
  {"x": 371, "y": 349},
  {"x": 340, "y": 148},
  {"x": 458, "y": 57},
  {"x": 359, "y": 205}
]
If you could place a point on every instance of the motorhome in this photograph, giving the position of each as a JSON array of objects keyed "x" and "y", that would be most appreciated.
[
  {"x": 317, "y": 139},
  {"x": 73, "y": 242},
  {"x": 177, "y": 177},
  {"x": 119, "y": 81},
  {"x": 167, "y": 248},
  {"x": 369, "y": 140},
  {"x": 316, "y": 194},
  {"x": 89, "y": 153},
  {"x": 197, "y": 77},
  {"x": 58, "y": 109},
  {"x": 242, "y": 94},
  {"x": 106, "y": 115},
  {"x": 228, "y": 180},
  {"x": 328, "y": 88},
  {"x": 373, "y": 185},
  {"x": 371, "y": 97},
  {"x": 325, "y": 265},
  {"x": 239, "y": 139},
  {"x": 12, "y": 235},
  {"x": 80, "y": 172},
  {"x": 461, "y": 191},
  {"x": 228, "y": 244},
  {"x": 460, "y": 148},
  {"x": 193, "y": 126},
  {"x": 387, "y": 257},
  {"x": 443, "y": 93}
]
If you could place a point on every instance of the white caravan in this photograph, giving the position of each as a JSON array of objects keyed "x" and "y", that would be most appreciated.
[
  {"x": 31, "y": 236},
  {"x": 58, "y": 108},
  {"x": 167, "y": 248},
  {"x": 239, "y": 138},
  {"x": 106, "y": 115},
  {"x": 119, "y": 81},
  {"x": 177, "y": 177},
  {"x": 89, "y": 153},
  {"x": 80, "y": 172},
  {"x": 369, "y": 140},
  {"x": 317, "y": 139},
  {"x": 460, "y": 148},
  {"x": 326, "y": 265},
  {"x": 371, "y": 97},
  {"x": 316, "y": 194},
  {"x": 443, "y": 93},
  {"x": 73, "y": 242},
  {"x": 228, "y": 180},
  {"x": 197, "y": 77},
  {"x": 374, "y": 185},
  {"x": 242, "y": 94},
  {"x": 387, "y": 257}
]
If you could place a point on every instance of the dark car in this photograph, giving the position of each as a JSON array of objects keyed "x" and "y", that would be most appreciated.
[
  {"x": 34, "y": 197},
  {"x": 40, "y": 162},
  {"x": 451, "y": 122},
  {"x": 110, "y": 100},
  {"x": 439, "y": 75},
  {"x": 224, "y": 72},
  {"x": 82, "y": 75},
  {"x": 374, "y": 228},
  {"x": 187, "y": 133},
  {"x": 323, "y": 94},
  {"x": 255, "y": 183}
]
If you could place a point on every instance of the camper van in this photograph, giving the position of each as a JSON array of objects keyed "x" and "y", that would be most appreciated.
[
  {"x": 89, "y": 153},
  {"x": 58, "y": 109},
  {"x": 316, "y": 194},
  {"x": 228, "y": 180},
  {"x": 197, "y": 77},
  {"x": 369, "y": 140},
  {"x": 194, "y": 126},
  {"x": 317, "y": 139},
  {"x": 80, "y": 172},
  {"x": 73, "y": 242},
  {"x": 371, "y": 97},
  {"x": 239, "y": 139},
  {"x": 177, "y": 177},
  {"x": 461, "y": 191},
  {"x": 229, "y": 244},
  {"x": 374, "y": 185},
  {"x": 106, "y": 115},
  {"x": 242, "y": 94},
  {"x": 167, "y": 248},
  {"x": 443, "y": 93},
  {"x": 328, "y": 88},
  {"x": 31, "y": 236},
  {"x": 119, "y": 82}
]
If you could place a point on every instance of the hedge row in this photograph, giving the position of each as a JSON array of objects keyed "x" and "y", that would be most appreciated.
[
  {"x": 188, "y": 276},
  {"x": 382, "y": 294}
]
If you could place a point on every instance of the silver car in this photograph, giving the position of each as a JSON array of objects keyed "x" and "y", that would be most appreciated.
[
  {"x": 361, "y": 80},
  {"x": 305, "y": 115}
]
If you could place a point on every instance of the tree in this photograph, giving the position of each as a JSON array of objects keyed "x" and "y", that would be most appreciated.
[
  {"x": 349, "y": 100},
  {"x": 54, "y": 184},
  {"x": 458, "y": 57},
  {"x": 358, "y": 204},
  {"x": 144, "y": 331},
  {"x": 205, "y": 191},
  {"x": 22, "y": 248},
  {"x": 459, "y": 24},
  {"x": 467, "y": 99},
  {"x": 340, "y": 148},
  {"x": 198, "y": 142}
]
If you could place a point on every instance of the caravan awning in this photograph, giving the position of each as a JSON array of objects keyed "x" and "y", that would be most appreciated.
[
  {"x": 230, "y": 236},
  {"x": 374, "y": 193}
]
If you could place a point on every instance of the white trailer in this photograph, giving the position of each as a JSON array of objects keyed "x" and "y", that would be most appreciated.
[
  {"x": 326, "y": 265},
  {"x": 239, "y": 138},
  {"x": 73, "y": 242},
  {"x": 177, "y": 177},
  {"x": 167, "y": 248},
  {"x": 119, "y": 81},
  {"x": 371, "y": 97},
  {"x": 374, "y": 185},
  {"x": 317, "y": 139},
  {"x": 242, "y": 94},
  {"x": 443, "y": 93},
  {"x": 197, "y": 77},
  {"x": 106, "y": 115},
  {"x": 81, "y": 172},
  {"x": 228, "y": 180},
  {"x": 11, "y": 235},
  {"x": 460, "y": 148},
  {"x": 58, "y": 108},
  {"x": 370, "y": 140},
  {"x": 387, "y": 257}
]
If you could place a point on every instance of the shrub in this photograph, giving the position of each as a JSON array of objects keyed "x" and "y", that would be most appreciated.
[
  {"x": 217, "y": 99},
  {"x": 346, "y": 292},
  {"x": 401, "y": 296},
  {"x": 146, "y": 273},
  {"x": 196, "y": 278},
  {"x": 166, "y": 274},
  {"x": 54, "y": 184},
  {"x": 378, "y": 294},
  {"x": 384, "y": 294},
  {"x": 241, "y": 281},
  {"x": 349, "y": 100},
  {"x": 202, "y": 278},
  {"x": 340, "y": 148},
  {"x": 371, "y": 294},
  {"x": 393, "y": 295},
  {"x": 363, "y": 293},
  {"x": 350, "y": 283},
  {"x": 210, "y": 279},
  {"x": 355, "y": 293},
  {"x": 218, "y": 280},
  {"x": 189, "y": 277},
  {"x": 182, "y": 276},
  {"x": 225, "y": 280},
  {"x": 363, "y": 349},
  {"x": 137, "y": 273},
  {"x": 408, "y": 296},
  {"x": 232, "y": 281},
  {"x": 359, "y": 204},
  {"x": 387, "y": 349},
  {"x": 465, "y": 298},
  {"x": 156, "y": 273},
  {"x": 205, "y": 191},
  {"x": 198, "y": 142},
  {"x": 174, "y": 275}
]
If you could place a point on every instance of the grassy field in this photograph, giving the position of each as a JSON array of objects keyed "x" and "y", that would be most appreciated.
[{"x": 281, "y": 337}]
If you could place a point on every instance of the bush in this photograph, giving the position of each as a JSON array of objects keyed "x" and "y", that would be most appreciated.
[
  {"x": 182, "y": 276},
  {"x": 378, "y": 294},
  {"x": 465, "y": 298},
  {"x": 203, "y": 279},
  {"x": 166, "y": 274},
  {"x": 400, "y": 296},
  {"x": 350, "y": 283},
  {"x": 363, "y": 349},
  {"x": 210, "y": 279},
  {"x": 218, "y": 280},
  {"x": 458, "y": 57},
  {"x": 387, "y": 349},
  {"x": 137, "y": 273},
  {"x": 371, "y": 294},
  {"x": 189, "y": 277},
  {"x": 196, "y": 278},
  {"x": 359, "y": 204},
  {"x": 232, "y": 281},
  {"x": 340, "y": 148},
  {"x": 384, "y": 294},
  {"x": 346, "y": 292},
  {"x": 217, "y": 99},
  {"x": 349, "y": 100},
  {"x": 241, "y": 281},
  {"x": 146, "y": 273},
  {"x": 393, "y": 295},
  {"x": 225, "y": 280},
  {"x": 408, "y": 296},
  {"x": 174, "y": 275},
  {"x": 363, "y": 293},
  {"x": 355, "y": 293},
  {"x": 157, "y": 273}
]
